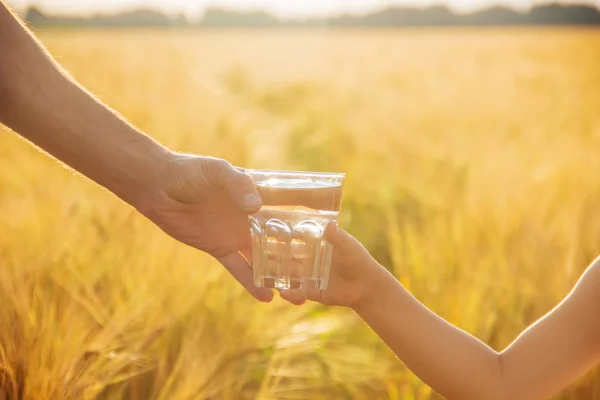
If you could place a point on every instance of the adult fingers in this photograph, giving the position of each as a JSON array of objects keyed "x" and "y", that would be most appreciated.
[
  {"x": 299, "y": 296},
  {"x": 242, "y": 272},
  {"x": 294, "y": 296}
]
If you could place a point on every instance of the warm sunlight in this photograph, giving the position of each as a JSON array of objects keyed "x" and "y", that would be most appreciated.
[
  {"x": 299, "y": 199},
  {"x": 294, "y": 8}
]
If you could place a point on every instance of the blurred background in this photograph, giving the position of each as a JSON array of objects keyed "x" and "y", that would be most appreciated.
[{"x": 470, "y": 134}]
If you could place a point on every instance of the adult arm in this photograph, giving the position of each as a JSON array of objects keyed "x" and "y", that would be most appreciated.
[
  {"x": 200, "y": 201},
  {"x": 43, "y": 104}
]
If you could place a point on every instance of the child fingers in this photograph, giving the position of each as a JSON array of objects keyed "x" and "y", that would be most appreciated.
[
  {"x": 339, "y": 238},
  {"x": 314, "y": 294}
]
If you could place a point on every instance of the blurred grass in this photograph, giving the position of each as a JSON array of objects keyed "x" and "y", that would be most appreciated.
[{"x": 473, "y": 162}]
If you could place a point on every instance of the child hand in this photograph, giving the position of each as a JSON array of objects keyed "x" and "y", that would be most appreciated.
[{"x": 352, "y": 269}]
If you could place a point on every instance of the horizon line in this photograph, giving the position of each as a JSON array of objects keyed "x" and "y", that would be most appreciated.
[{"x": 240, "y": 10}]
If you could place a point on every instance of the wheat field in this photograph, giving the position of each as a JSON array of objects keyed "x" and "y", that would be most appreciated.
[{"x": 473, "y": 173}]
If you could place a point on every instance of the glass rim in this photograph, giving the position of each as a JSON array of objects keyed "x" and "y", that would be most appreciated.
[{"x": 293, "y": 172}]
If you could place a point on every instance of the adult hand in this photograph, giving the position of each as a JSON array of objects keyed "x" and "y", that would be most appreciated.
[{"x": 204, "y": 202}]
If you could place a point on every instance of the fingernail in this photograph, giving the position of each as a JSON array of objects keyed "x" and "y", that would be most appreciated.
[{"x": 251, "y": 200}]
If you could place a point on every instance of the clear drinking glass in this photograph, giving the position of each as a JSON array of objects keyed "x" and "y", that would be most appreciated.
[{"x": 289, "y": 250}]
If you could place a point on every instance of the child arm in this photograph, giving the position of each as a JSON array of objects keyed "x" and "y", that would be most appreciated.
[{"x": 548, "y": 356}]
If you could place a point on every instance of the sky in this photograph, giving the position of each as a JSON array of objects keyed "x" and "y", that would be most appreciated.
[{"x": 284, "y": 8}]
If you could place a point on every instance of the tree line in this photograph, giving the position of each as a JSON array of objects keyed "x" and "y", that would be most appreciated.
[{"x": 541, "y": 14}]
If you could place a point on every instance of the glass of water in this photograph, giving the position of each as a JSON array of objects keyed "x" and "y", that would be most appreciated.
[{"x": 289, "y": 250}]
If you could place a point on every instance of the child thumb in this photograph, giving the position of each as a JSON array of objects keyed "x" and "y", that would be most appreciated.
[{"x": 337, "y": 237}]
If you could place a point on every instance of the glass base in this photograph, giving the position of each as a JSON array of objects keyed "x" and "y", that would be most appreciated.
[{"x": 286, "y": 283}]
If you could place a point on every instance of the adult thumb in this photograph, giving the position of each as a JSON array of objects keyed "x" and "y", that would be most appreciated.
[{"x": 238, "y": 184}]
